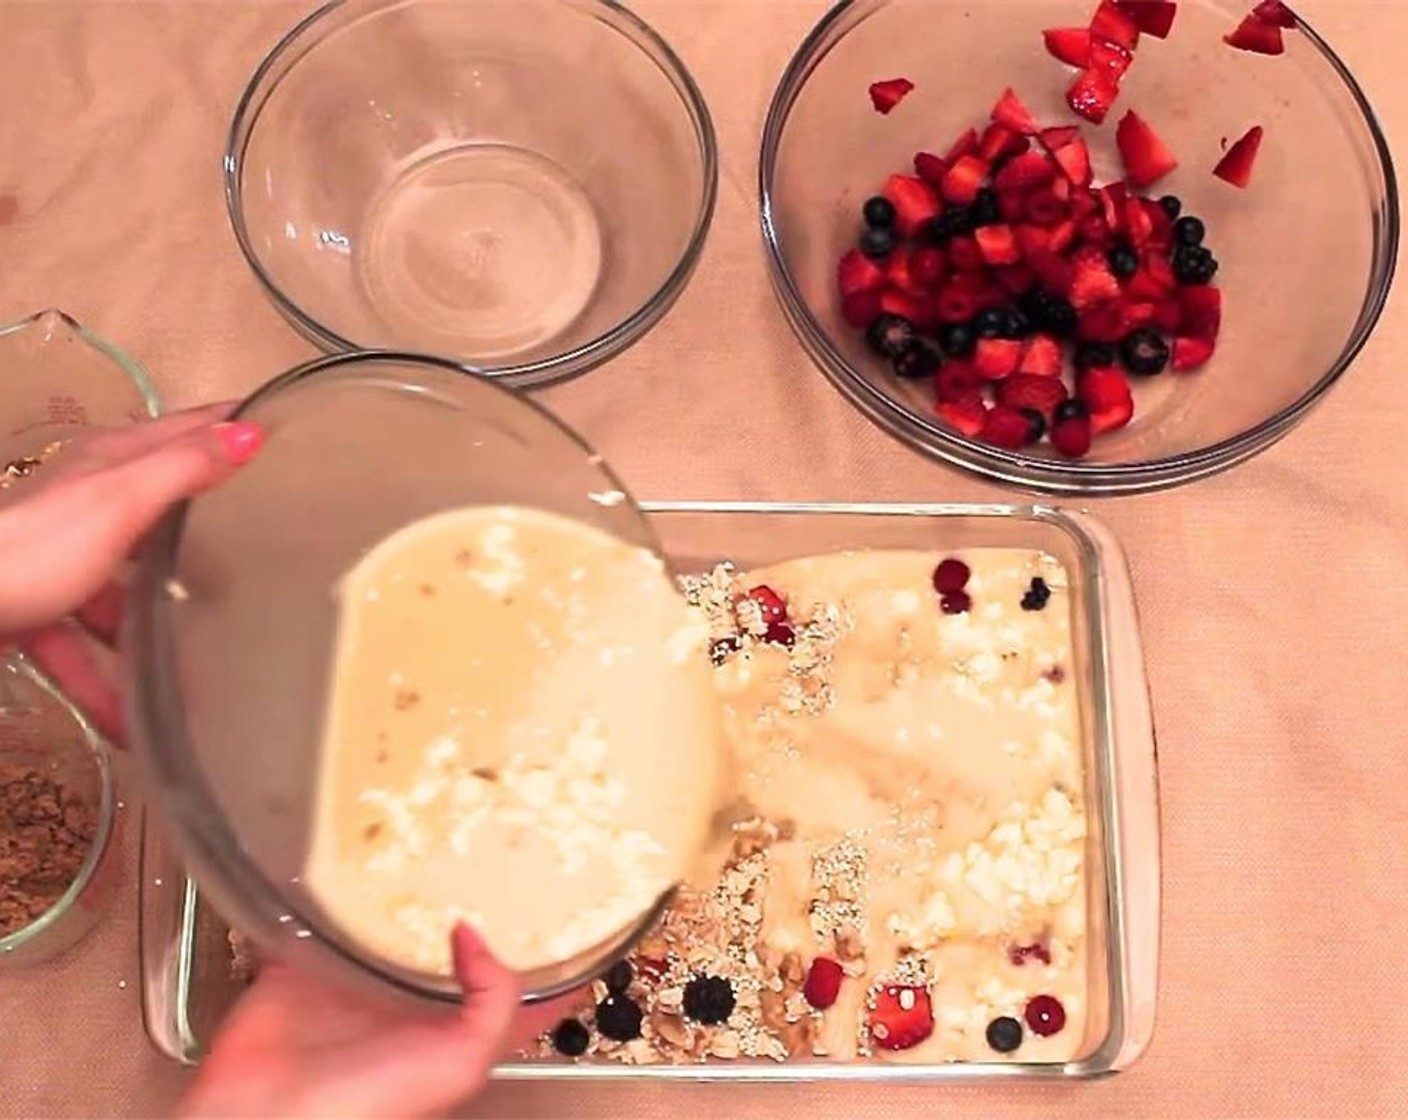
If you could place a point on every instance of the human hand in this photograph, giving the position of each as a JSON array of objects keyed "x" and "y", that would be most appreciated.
[
  {"x": 298, "y": 1046},
  {"x": 67, "y": 530}
]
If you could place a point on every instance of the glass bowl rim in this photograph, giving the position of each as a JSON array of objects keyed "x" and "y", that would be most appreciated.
[
  {"x": 161, "y": 733},
  {"x": 1013, "y": 468},
  {"x": 285, "y": 55}
]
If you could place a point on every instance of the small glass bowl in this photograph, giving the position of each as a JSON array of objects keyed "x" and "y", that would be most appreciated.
[
  {"x": 1308, "y": 251},
  {"x": 40, "y": 730},
  {"x": 231, "y": 625},
  {"x": 523, "y": 186}
]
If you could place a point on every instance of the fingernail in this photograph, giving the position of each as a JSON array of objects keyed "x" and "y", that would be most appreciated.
[{"x": 240, "y": 440}]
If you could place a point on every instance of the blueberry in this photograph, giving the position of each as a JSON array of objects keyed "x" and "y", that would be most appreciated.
[
  {"x": 571, "y": 1038},
  {"x": 957, "y": 340},
  {"x": 879, "y": 213},
  {"x": 919, "y": 360},
  {"x": 1004, "y": 1034},
  {"x": 1015, "y": 325},
  {"x": 1192, "y": 264},
  {"x": 1089, "y": 355},
  {"x": 985, "y": 210},
  {"x": 1144, "y": 352},
  {"x": 1049, "y": 312},
  {"x": 618, "y": 1018},
  {"x": 1189, "y": 231},
  {"x": 1036, "y": 424},
  {"x": 953, "y": 222},
  {"x": 618, "y": 977},
  {"x": 1173, "y": 206},
  {"x": 877, "y": 243},
  {"x": 990, "y": 322},
  {"x": 1070, "y": 410},
  {"x": 1124, "y": 261},
  {"x": 889, "y": 335}
]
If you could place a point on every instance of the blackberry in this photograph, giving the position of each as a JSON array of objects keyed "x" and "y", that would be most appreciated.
[
  {"x": 1089, "y": 355},
  {"x": 1036, "y": 424},
  {"x": 618, "y": 1018},
  {"x": 989, "y": 322},
  {"x": 877, "y": 243},
  {"x": 919, "y": 360},
  {"x": 1144, "y": 352},
  {"x": 957, "y": 340},
  {"x": 879, "y": 212},
  {"x": 1124, "y": 261},
  {"x": 889, "y": 335},
  {"x": 985, "y": 210},
  {"x": 1072, "y": 409},
  {"x": 571, "y": 1038},
  {"x": 1173, "y": 206},
  {"x": 1192, "y": 264},
  {"x": 954, "y": 222},
  {"x": 618, "y": 977},
  {"x": 1037, "y": 596},
  {"x": 1049, "y": 312},
  {"x": 708, "y": 999},
  {"x": 1189, "y": 231},
  {"x": 1004, "y": 1034}
]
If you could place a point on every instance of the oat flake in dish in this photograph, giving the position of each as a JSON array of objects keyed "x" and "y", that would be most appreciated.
[{"x": 911, "y": 885}]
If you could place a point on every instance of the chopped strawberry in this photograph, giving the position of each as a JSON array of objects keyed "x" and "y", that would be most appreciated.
[
  {"x": 1139, "y": 314},
  {"x": 1109, "y": 58},
  {"x": 1236, "y": 166},
  {"x": 1105, "y": 391},
  {"x": 1010, "y": 111},
  {"x": 1012, "y": 205},
  {"x": 914, "y": 201},
  {"x": 996, "y": 358},
  {"x": 1202, "y": 311},
  {"x": 1043, "y": 357},
  {"x": 771, "y": 605},
  {"x": 1191, "y": 353},
  {"x": 1137, "y": 223},
  {"x": 1160, "y": 271},
  {"x": 965, "y": 145},
  {"x": 1146, "y": 158},
  {"x": 1069, "y": 44},
  {"x": 1053, "y": 270},
  {"x": 1063, "y": 236},
  {"x": 1006, "y": 427},
  {"x": 887, "y": 94},
  {"x": 930, "y": 168},
  {"x": 1094, "y": 230},
  {"x": 1033, "y": 239},
  {"x": 895, "y": 302},
  {"x": 1084, "y": 202},
  {"x": 955, "y": 304},
  {"x": 967, "y": 416},
  {"x": 1074, "y": 160},
  {"x": 1113, "y": 198},
  {"x": 994, "y": 140},
  {"x": 1062, "y": 189},
  {"x": 1152, "y": 17},
  {"x": 1092, "y": 94},
  {"x": 1026, "y": 172},
  {"x": 1161, "y": 225},
  {"x": 1257, "y": 36},
  {"x": 964, "y": 179},
  {"x": 1054, "y": 139},
  {"x": 858, "y": 273},
  {"x": 1113, "y": 25},
  {"x": 1274, "y": 11},
  {"x": 860, "y": 309},
  {"x": 823, "y": 983},
  {"x": 1108, "y": 321},
  {"x": 1015, "y": 279},
  {"x": 1168, "y": 316},
  {"x": 927, "y": 266},
  {"x": 1071, "y": 436},
  {"x": 1092, "y": 282},
  {"x": 1145, "y": 287},
  {"x": 899, "y": 274},
  {"x": 964, "y": 254},
  {"x": 1024, "y": 390},
  {"x": 998, "y": 244},
  {"x": 957, "y": 381},
  {"x": 1045, "y": 208}
]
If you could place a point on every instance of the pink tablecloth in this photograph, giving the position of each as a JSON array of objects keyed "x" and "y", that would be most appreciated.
[{"x": 1273, "y": 598}]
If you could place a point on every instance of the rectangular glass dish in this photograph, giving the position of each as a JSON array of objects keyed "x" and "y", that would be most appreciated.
[{"x": 189, "y": 973}]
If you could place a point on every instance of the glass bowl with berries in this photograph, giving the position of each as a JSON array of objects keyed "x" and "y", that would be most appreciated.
[{"x": 1072, "y": 245}]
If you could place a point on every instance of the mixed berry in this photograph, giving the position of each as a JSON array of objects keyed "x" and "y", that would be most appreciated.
[{"x": 1025, "y": 293}]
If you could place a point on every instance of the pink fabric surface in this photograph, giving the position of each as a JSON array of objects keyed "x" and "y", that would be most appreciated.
[{"x": 1272, "y": 598}]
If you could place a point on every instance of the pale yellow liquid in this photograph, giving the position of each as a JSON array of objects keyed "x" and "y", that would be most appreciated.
[{"x": 521, "y": 734}]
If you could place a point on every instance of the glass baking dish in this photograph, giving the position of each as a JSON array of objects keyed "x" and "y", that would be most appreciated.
[{"x": 189, "y": 978}]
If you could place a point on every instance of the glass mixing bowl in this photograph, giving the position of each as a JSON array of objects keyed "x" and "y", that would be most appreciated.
[
  {"x": 523, "y": 186},
  {"x": 232, "y": 621},
  {"x": 1307, "y": 252}
]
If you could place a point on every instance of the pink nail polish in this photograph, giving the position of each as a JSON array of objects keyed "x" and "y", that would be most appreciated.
[{"x": 240, "y": 440}]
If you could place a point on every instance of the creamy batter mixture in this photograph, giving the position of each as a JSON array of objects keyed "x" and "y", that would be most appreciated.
[
  {"x": 521, "y": 735},
  {"x": 909, "y": 883}
]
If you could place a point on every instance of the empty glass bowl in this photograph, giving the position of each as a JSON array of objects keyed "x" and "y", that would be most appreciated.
[
  {"x": 232, "y": 622},
  {"x": 1307, "y": 251},
  {"x": 521, "y": 185}
]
